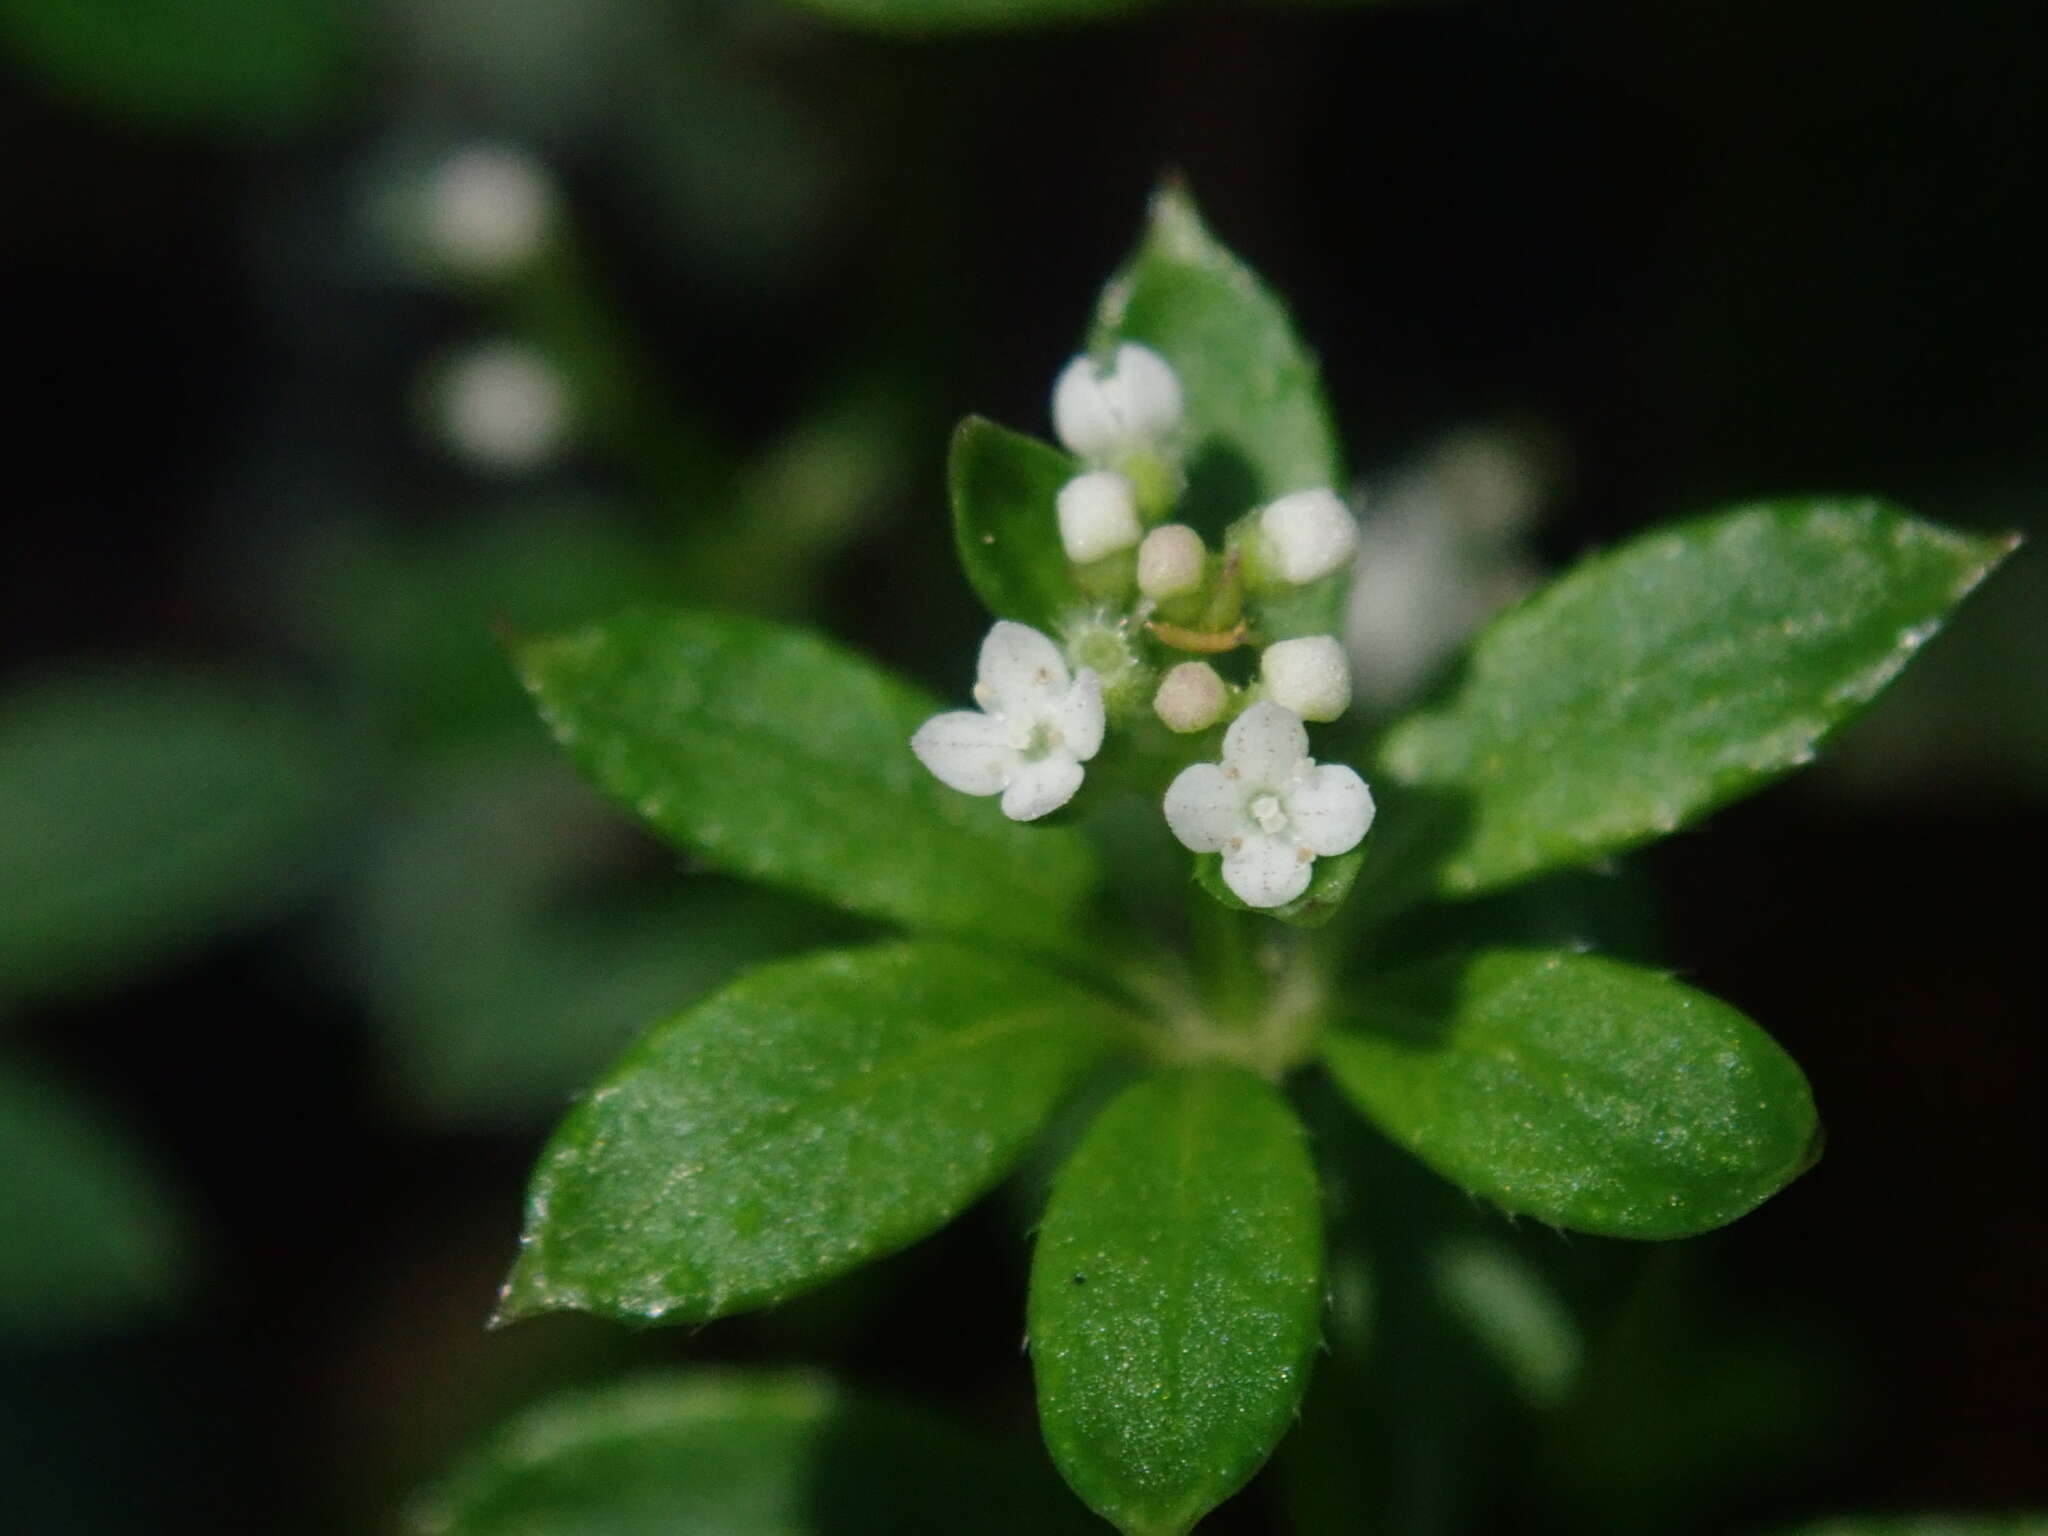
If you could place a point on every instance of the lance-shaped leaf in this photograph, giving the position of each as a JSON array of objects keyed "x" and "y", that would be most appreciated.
[
  {"x": 1005, "y": 489},
  {"x": 762, "y": 1455},
  {"x": 817, "y": 1114},
  {"x": 1588, "y": 1093},
  {"x": 1659, "y": 681},
  {"x": 1175, "y": 1295},
  {"x": 1256, "y": 425},
  {"x": 781, "y": 757}
]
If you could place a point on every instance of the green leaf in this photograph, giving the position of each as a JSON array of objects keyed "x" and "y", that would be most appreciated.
[
  {"x": 1930, "y": 1525},
  {"x": 1670, "y": 676},
  {"x": 143, "y": 813},
  {"x": 1175, "y": 1296},
  {"x": 92, "y": 1239},
  {"x": 1005, "y": 523},
  {"x": 722, "y": 1454},
  {"x": 818, "y": 1114},
  {"x": 243, "y": 62},
  {"x": 508, "y": 961},
  {"x": 785, "y": 759},
  {"x": 1588, "y": 1093},
  {"x": 967, "y": 15},
  {"x": 1257, "y": 426}
]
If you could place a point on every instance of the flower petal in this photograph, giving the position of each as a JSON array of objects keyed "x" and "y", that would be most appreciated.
[
  {"x": 1205, "y": 807},
  {"x": 1331, "y": 809},
  {"x": 1041, "y": 786},
  {"x": 1078, "y": 716},
  {"x": 966, "y": 750},
  {"x": 1020, "y": 672},
  {"x": 1264, "y": 871},
  {"x": 1266, "y": 745}
]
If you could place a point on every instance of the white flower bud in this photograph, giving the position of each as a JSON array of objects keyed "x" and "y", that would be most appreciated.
[
  {"x": 1098, "y": 515},
  {"x": 1133, "y": 403},
  {"x": 1171, "y": 561},
  {"x": 1310, "y": 676},
  {"x": 487, "y": 209},
  {"x": 1312, "y": 534},
  {"x": 504, "y": 408},
  {"x": 1191, "y": 697}
]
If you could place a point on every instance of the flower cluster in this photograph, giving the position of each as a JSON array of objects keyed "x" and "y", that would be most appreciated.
[{"x": 1157, "y": 615}]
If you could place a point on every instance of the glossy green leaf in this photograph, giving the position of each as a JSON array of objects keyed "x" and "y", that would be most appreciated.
[
  {"x": 783, "y": 758},
  {"x": 1257, "y": 426},
  {"x": 817, "y": 1114},
  {"x": 248, "y": 62},
  {"x": 1670, "y": 676},
  {"x": 92, "y": 1238},
  {"x": 967, "y": 15},
  {"x": 721, "y": 1454},
  {"x": 1176, "y": 1293},
  {"x": 1005, "y": 522},
  {"x": 141, "y": 813},
  {"x": 1588, "y": 1093}
]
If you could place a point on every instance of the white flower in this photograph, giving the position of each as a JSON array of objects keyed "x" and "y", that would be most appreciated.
[
  {"x": 1103, "y": 413},
  {"x": 1036, "y": 727},
  {"x": 488, "y": 208},
  {"x": 504, "y": 407},
  {"x": 1310, "y": 676},
  {"x": 1171, "y": 561},
  {"x": 1311, "y": 533},
  {"x": 1268, "y": 809},
  {"x": 1098, "y": 515},
  {"x": 1191, "y": 697}
]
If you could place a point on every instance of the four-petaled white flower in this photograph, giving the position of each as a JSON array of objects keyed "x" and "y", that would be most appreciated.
[
  {"x": 1036, "y": 727},
  {"x": 1268, "y": 808}
]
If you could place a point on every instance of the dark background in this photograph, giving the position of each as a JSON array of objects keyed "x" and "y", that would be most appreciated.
[{"x": 1712, "y": 251}]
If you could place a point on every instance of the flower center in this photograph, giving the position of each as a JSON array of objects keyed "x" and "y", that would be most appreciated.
[
  {"x": 1033, "y": 738},
  {"x": 1269, "y": 813}
]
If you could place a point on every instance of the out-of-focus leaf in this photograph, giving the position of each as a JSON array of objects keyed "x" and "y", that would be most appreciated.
[
  {"x": 785, "y": 759},
  {"x": 1005, "y": 487},
  {"x": 1654, "y": 683},
  {"x": 1929, "y": 1525},
  {"x": 1175, "y": 1296},
  {"x": 731, "y": 1455},
  {"x": 141, "y": 813},
  {"x": 1257, "y": 426},
  {"x": 251, "y": 63},
  {"x": 92, "y": 1241},
  {"x": 501, "y": 971},
  {"x": 818, "y": 1114},
  {"x": 967, "y": 15},
  {"x": 1589, "y": 1093}
]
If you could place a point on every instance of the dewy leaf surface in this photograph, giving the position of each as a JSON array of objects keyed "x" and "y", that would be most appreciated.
[
  {"x": 722, "y": 1454},
  {"x": 1661, "y": 680},
  {"x": 1005, "y": 488},
  {"x": 1588, "y": 1093},
  {"x": 1175, "y": 1296},
  {"x": 1256, "y": 419},
  {"x": 781, "y": 757},
  {"x": 817, "y": 1114}
]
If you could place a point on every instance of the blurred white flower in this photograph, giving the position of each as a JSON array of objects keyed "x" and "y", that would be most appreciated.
[
  {"x": 1268, "y": 808},
  {"x": 488, "y": 209},
  {"x": 504, "y": 407},
  {"x": 1035, "y": 728}
]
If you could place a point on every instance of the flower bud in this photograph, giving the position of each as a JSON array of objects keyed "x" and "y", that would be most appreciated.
[
  {"x": 1101, "y": 413},
  {"x": 1309, "y": 676},
  {"x": 488, "y": 208},
  {"x": 1172, "y": 560},
  {"x": 504, "y": 407},
  {"x": 1311, "y": 534},
  {"x": 1098, "y": 515},
  {"x": 1191, "y": 697}
]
